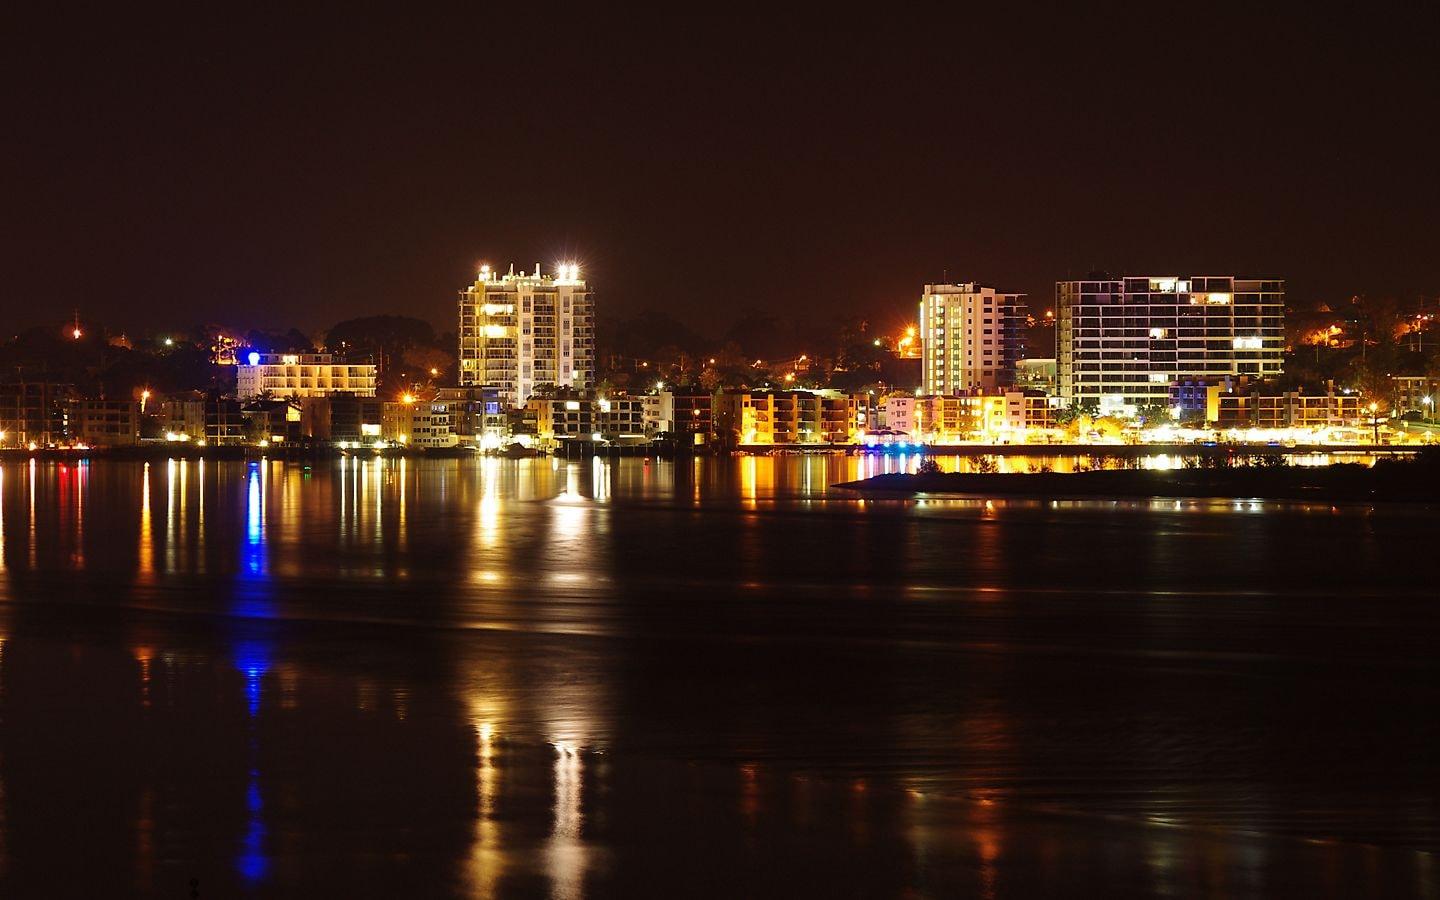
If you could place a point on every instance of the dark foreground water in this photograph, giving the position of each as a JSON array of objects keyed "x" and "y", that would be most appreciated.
[{"x": 401, "y": 679}]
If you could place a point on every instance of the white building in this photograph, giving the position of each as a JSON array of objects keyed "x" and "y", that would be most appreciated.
[
  {"x": 1121, "y": 342},
  {"x": 301, "y": 375},
  {"x": 520, "y": 333},
  {"x": 971, "y": 338}
]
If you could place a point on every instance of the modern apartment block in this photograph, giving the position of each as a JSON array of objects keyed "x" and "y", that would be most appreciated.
[
  {"x": 1123, "y": 341},
  {"x": 521, "y": 333},
  {"x": 104, "y": 423},
  {"x": 971, "y": 336},
  {"x": 417, "y": 423},
  {"x": 301, "y": 375},
  {"x": 787, "y": 417},
  {"x": 33, "y": 412}
]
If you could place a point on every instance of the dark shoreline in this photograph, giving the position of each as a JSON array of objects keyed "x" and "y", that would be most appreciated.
[{"x": 1414, "y": 482}]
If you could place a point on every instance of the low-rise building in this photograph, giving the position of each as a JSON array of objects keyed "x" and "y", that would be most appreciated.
[
  {"x": 272, "y": 421},
  {"x": 342, "y": 418},
  {"x": 417, "y": 423},
  {"x": 34, "y": 412},
  {"x": 204, "y": 419},
  {"x": 104, "y": 423},
  {"x": 787, "y": 417},
  {"x": 478, "y": 415},
  {"x": 688, "y": 414},
  {"x": 1295, "y": 409},
  {"x": 301, "y": 375},
  {"x": 1417, "y": 393},
  {"x": 620, "y": 417}
]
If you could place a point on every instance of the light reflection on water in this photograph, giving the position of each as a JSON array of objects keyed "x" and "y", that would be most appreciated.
[{"x": 591, "y": 677}]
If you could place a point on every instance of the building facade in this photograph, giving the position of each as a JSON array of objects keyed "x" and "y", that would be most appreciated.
[
  {"x": 417, "y": 423},
  {"x": 105, "y": 423},
  {"x": 787, "y": 417},
  {"x": 1416, "y": 393},
  {"x": 521, "y": 333},
  {"x": 341, "y": 419},
  {"x": 301, "y": 375},
  {"x": 34, "y": 412},
  {"x": 1123, "y": 341},
  {"x": 972, "y": 337}
]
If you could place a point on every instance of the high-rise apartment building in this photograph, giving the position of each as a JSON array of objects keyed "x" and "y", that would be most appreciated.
[
  {"x": 971, "y": 338},
  {"x": 1123, "y": 341},
  {"x": 522, "y": 333}
]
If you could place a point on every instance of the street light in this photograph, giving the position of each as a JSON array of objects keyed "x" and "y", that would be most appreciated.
[
  {"x": 1429, "y": 408},
  {"x": 1375, "y": 421}
]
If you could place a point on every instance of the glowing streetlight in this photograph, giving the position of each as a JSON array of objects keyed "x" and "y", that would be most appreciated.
[
  {"x": 408, "y": 398},
  {"x": 76, "y": 333}
]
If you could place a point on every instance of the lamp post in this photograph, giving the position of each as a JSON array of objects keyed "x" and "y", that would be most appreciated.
[
  {"x": 1429, "y": 409},
  {"x": 1375, "y": 421}
]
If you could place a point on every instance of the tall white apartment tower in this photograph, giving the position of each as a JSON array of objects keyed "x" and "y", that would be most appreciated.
[
  {"x": 522, "y": 333},
  {"x": 971, "y": 337}
]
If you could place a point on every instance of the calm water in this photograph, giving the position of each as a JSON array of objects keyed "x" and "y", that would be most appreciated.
[{"x": 531, "y": 678}]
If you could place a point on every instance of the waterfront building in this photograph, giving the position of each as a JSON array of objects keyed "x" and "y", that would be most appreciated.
[
  {"x": 788, "y": 417},
  {"x": 686, "y": 413},
  {"x": 417, "y": 423},
  {"x": 33, "y": 412},
  {"x": 620, "y": 417},
  {"x": 477, "y": 415},
  {"x": 104, "y": 423},
  {"x": 341, "y": 418},
  {"x": 521, "y": 334},
  {"x": 1121, "y": 342},
  {"x": 1194, "y": 399},
  {"x": 272, "y": 421},
  {"x": 972, "y": 337},
  {"x": 1296, "y": 409},
  {"x": 301, "y": 375},
  {"x": 562, "y": 416},
  {"x": 998, "y": 417},
  {"x": 204, "y": 419}
]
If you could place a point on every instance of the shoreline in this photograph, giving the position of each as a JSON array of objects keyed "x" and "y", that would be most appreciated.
[{"x": 1391, "y": 482}]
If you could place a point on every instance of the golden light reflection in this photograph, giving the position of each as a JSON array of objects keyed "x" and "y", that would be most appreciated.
[
  {"x": 171, "y": 518},
  {"x": 32, "y": 548},
  {"x": 146, "y": 550},
  {"x": 566, "y": 854},
  {"x": 487, "y": 861}
]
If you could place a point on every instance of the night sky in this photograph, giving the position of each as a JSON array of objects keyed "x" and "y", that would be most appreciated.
[{"x": 275, "y": 171}]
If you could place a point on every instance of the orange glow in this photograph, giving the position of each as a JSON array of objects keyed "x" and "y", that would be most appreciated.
[{"x": 407, "y": 398}]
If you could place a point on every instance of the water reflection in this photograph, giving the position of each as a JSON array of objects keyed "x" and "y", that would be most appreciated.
[
  {"x": 566, "y": 854},
  {"x": 598, "y": 677}
]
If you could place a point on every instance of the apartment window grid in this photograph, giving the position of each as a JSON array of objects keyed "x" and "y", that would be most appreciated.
[{"x": 1133, "y": 337}]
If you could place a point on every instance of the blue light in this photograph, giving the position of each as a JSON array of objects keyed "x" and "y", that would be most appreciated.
[
  {"x": 252, "y": 861},
  {"x": 904, "y": 444},
  {"x": 254, "y": 526},
  {"x": 253, "y": 358}
]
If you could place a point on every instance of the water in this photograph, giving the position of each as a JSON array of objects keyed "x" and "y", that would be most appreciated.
[{"x": 631, "y": 678}]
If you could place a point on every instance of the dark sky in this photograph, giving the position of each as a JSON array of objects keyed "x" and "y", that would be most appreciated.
[{"x": 274, "y": 170}]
